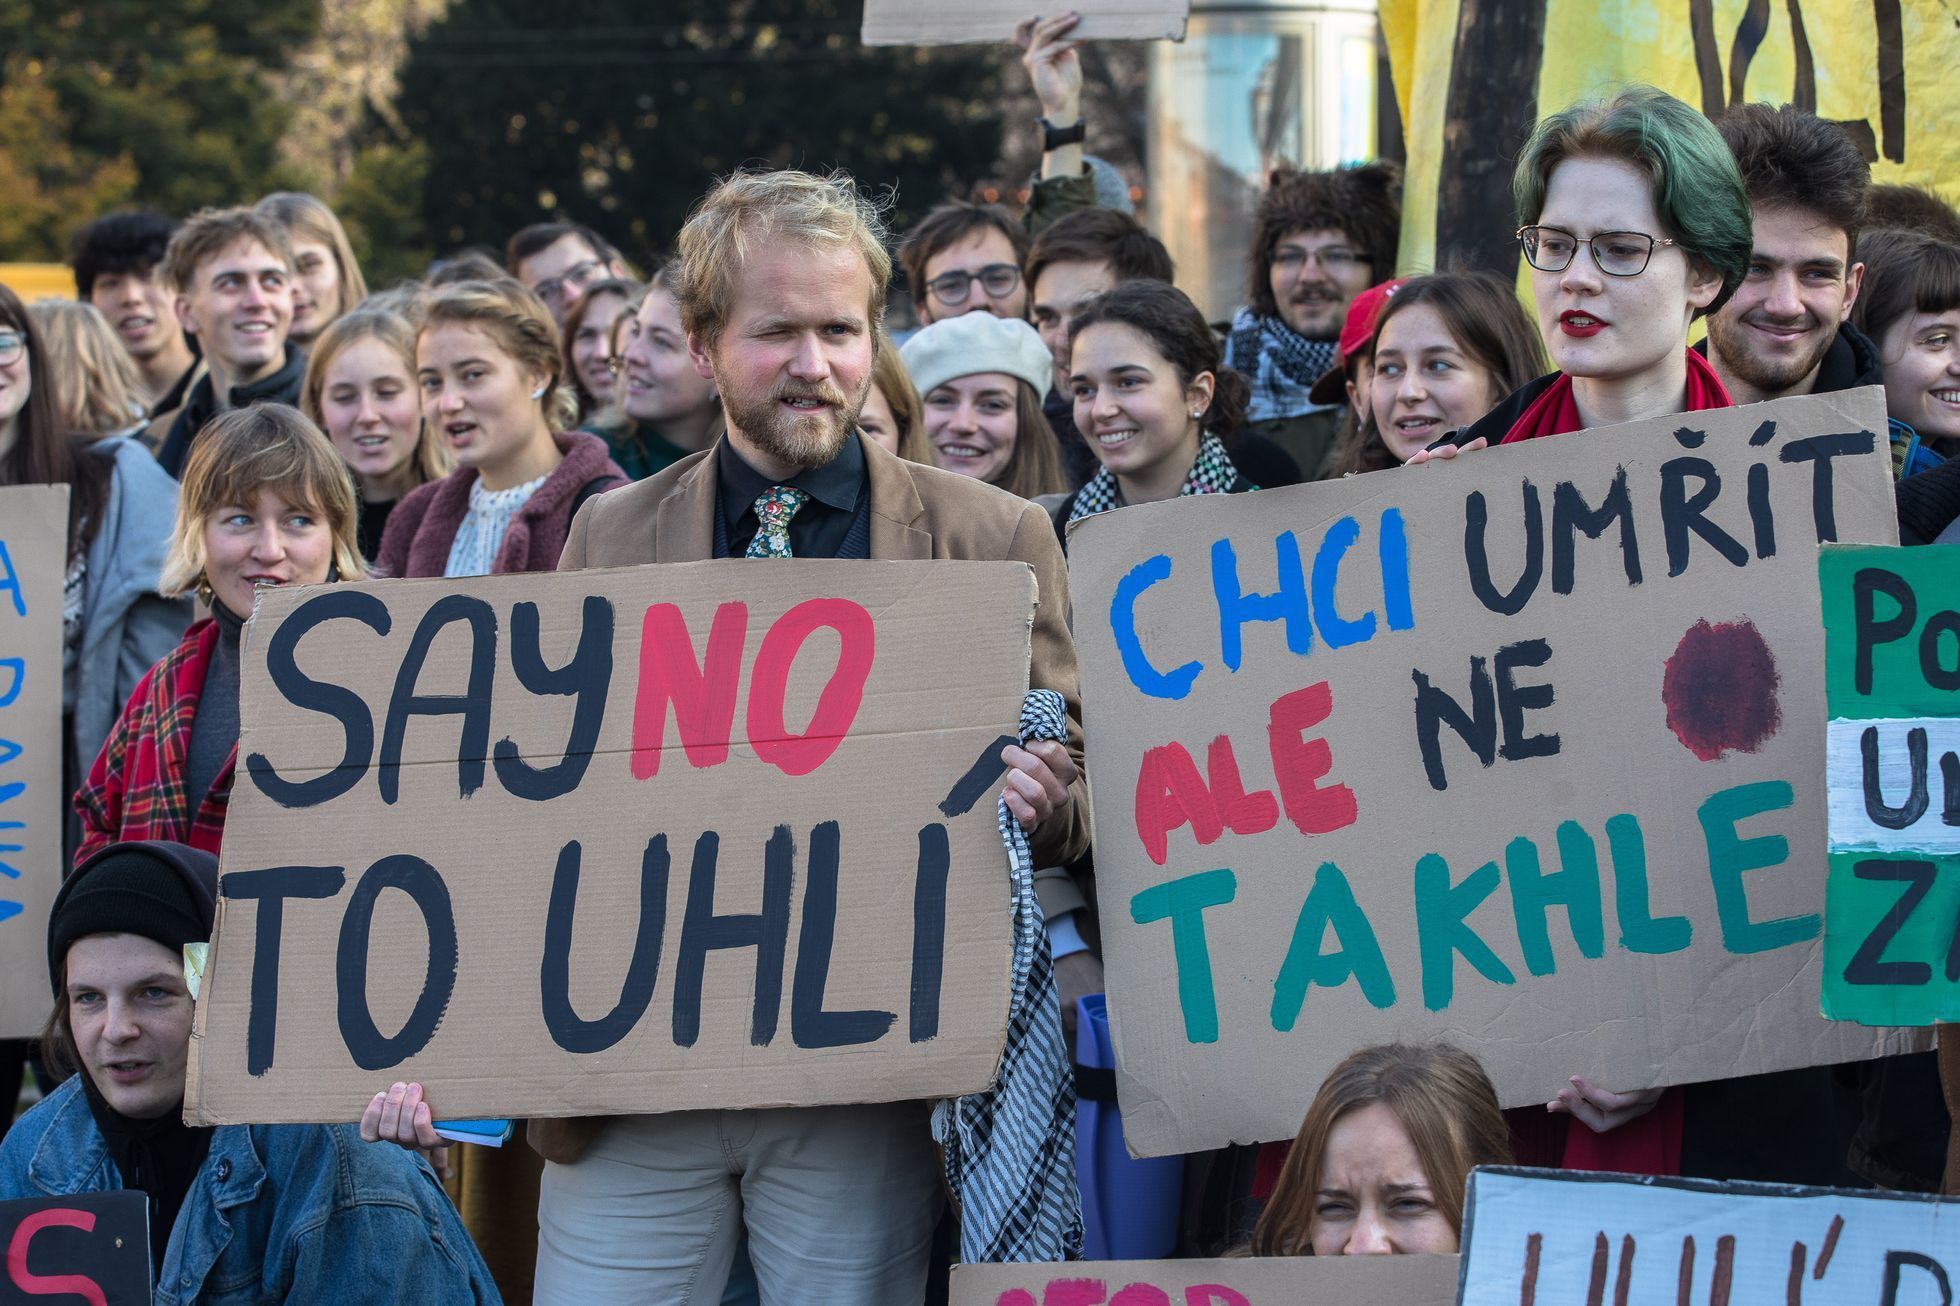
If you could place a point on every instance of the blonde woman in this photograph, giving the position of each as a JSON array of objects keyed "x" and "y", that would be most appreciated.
[
  {"x": 265, "y": 501},
  {"x": 494, "y": 391},
  {"x": 360, "y": 387},
  {"x": 97, "y": 389},
  {"x": 327, "y": 278}
]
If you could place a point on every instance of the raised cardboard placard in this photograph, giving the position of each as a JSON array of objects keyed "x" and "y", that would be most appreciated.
[
  {"x": 1524, "y": 750},
  {"x": 1241, "y": 1281},
  {"x": 961, "y": 22},
  {"x": 1892, "y": 675},
  {"x": 710, "y": 834},
  {"x": 1553, "y": 1237},
  {"x": 33, "y": 561},
  {"x": 89, "y": 1247}
]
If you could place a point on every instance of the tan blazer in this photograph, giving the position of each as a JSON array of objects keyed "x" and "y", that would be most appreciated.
[{"x": 916, "y": 512}]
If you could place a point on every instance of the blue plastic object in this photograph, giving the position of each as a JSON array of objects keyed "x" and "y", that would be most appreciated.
[{"x": 1130, "y": 1208}]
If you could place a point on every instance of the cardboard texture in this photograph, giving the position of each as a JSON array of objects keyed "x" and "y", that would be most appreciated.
[
  {"x": 92, "y": 1247},
  {"x": 1237, "y": 1281},
  {"x": 1892, "y": 676},
  {"x": 784, "y": 887},
  {"x": 33, "y": 560},
  {"x": 1442, "y": 768},
  {"x": 1552, "y": 1237},
  {"x": 962, "y": 22}
]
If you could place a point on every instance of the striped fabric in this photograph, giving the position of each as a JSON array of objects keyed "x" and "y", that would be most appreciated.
[{"x": 1010, "y": 1150}]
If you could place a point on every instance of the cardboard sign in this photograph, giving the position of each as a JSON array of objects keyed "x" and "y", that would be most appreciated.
[
  {"x": 1551, "y": 1237},
  {"x": 33, "y": 561},
  {"x": 712, "y": 834},
  {"x": 94, "y": 1247},
  {"x": 1892, "y": 676},
  {"x": 961, "y": 22},
  {"x": 1240, "y": 1281},
  {"x": 1472, "y": 77},
  {"x": 1523, "y": 750}
]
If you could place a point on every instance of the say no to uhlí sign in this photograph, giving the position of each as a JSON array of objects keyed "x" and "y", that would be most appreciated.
[
  {"x": 696, "y": 835},
  {"x": 33, "y": 560},
  {"x": 1524, "y": 750},
  {"x": 1892, "y": 641},
  {"x": 1553, "y": 1237}
]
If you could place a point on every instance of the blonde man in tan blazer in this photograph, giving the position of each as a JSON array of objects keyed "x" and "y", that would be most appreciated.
[{"x": 783, "y": 279}]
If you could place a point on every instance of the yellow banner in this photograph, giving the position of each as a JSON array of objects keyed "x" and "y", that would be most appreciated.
[{"x": 1473, "y": 75}]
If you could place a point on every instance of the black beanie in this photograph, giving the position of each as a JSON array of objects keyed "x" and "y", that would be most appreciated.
[{"x": 162, "y": 891}]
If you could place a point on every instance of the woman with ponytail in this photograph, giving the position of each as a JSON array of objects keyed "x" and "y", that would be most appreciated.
[{"x": 494, "y": 391}]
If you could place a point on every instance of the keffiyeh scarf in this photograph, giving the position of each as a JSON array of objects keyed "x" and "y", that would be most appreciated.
[
  {"x": 1281, "y": 363},
  {"x": 1010, "y": 1150},
  {"x": 1212, "y": 473}
]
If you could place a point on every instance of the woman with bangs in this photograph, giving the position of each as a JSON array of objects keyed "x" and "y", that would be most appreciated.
[
  {"x": 982, "y": 379},
  {"x": 1909, "y": 304},
  {"x": 1446, "y": 349},
  {"x": 97, "y": 388},
  {"x": 360, "y": 388},
  {"x": 265, "y": 501},
  {"x": 493, "y": 389},
  {"x": 1635, "y": 223},
  {"x": 327, "y": 280},
  {"x": 591, "y": 362}
]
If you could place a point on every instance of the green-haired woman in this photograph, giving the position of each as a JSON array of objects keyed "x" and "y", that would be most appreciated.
[{"x": 1635, "y": 222}]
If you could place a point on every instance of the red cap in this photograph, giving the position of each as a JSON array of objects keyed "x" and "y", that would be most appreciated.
[{"x": 1362, "y": 313}]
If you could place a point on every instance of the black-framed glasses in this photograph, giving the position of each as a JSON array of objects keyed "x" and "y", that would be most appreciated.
[
  {"x": 997, "y": 279},
  {"x": 1616, "y": 253},
  {"x": 1337, "y": 260},
  {"x": 12, "y": 345},
  {"x": 552, "y": 291}
]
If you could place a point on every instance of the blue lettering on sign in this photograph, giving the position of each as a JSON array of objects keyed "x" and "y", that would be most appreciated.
[
  {"x": 1302, "y": 602},
  {"x": 13, "y": 675},
  {"x": 10, "y": 583}
]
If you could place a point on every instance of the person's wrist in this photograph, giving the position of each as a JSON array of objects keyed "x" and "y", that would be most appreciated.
[{"x": 1061, "y": 128}]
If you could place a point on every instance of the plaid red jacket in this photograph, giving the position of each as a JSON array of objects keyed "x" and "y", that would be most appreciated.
[{"x": 136, "y": 788}]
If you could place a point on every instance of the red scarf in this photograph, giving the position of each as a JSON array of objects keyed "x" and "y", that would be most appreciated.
[{"x": 1555, "y": 413}]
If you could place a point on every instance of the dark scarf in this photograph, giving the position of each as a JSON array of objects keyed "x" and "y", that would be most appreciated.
[
  {"x": 1281, "y": 363},
  {"x": 159, "y": 1158}
]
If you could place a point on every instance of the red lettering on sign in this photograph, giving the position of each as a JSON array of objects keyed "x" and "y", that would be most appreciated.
[
  {"x": 1299, "y": 764},
  {"x": 703, "y": 693},
  {"x": 51, "y": 1285},
  {"x": 837, "y": 705}
]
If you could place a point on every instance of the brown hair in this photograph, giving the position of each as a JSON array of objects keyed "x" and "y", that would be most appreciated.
[
  {"x": 43, "y": 452},
  {"x": 1791, "y": 159},
  {"x": 908, "y": 410},
  {"x": 1905, "y": 272},
  {"x": 1446, "y": 1105},
  {"x": 540, "y": 236},
  {"x": 241, "y": 452},
  {"x": 210, "y": 232},
  {"x": 1100, "y": 236},
  {"x": 1035, "y": 466},
  {"x": 947, "y": 225},
  {"x": 1912, "y": 208},
  {"x": 787, "y": 206},
  {"x": 629, "y": 291},
  {"x": 303, "y": 215},
  {"x": 57, "y": 1039},
  {"x": 1180, "y": 333},
  {"x": 518, "y": 321},
  {"x": 1482, "y": 314},
  {"x": 96, "y": 384},
  {"x": 432, "y": 460},
  {"x": 1362, "y": 201}
]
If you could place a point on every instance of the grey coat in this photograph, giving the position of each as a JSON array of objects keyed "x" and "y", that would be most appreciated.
[{"x": 126, "y": 625}]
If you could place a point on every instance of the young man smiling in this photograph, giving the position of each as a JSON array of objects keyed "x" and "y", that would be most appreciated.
[
  {"x": 231, "y": 270},
  {"x": 116, "y": 262},
  {"x": 1784, "y": 331}
]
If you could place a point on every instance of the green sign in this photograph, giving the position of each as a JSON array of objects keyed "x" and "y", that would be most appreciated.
[{"x": 1892, "y": 682}]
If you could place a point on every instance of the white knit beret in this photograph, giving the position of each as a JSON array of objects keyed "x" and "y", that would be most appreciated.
[{"x": 975, "y": 342}]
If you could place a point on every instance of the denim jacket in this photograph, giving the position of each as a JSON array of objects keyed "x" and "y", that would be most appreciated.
[{"x": 279, "y": 1213}]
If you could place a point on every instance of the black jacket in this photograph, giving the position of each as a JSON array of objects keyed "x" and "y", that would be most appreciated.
[{"x": 201, "y": 405}]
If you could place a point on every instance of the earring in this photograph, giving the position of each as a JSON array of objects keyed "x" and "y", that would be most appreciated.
[
  {"x": 539, "y": 392},
  {"x": 202, "y": 588}
]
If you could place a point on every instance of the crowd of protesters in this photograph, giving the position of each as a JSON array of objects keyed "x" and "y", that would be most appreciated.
[{"x": 232, "y": 407}]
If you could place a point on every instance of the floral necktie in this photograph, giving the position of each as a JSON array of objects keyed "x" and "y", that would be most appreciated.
[{"x": 773, "y": 509}]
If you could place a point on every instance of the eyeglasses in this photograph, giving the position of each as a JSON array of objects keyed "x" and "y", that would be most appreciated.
[
  {"x": 553, "y": 291},
  {"x": 1335, "y": 260},
  {"x": 997, "y": 279},
  {"x": 1616, "y": 253},
  {"x": 12, "y": 345}
]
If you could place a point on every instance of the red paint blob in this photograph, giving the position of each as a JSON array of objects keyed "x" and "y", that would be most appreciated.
[{"x": 1720, "y": 690}]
